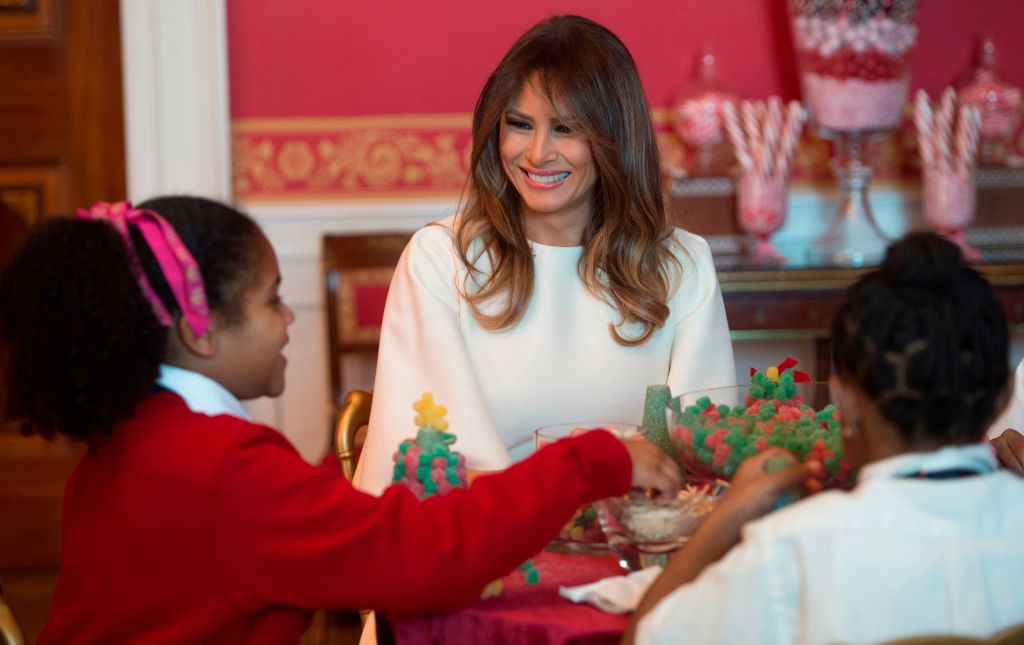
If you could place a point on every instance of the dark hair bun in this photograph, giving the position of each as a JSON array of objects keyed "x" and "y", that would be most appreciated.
[
  {"x": 922, "y": 260},
  {"x": 925, "y": 338}
]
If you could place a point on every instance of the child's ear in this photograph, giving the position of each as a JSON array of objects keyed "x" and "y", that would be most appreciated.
[{"x": 203, "y": 346}]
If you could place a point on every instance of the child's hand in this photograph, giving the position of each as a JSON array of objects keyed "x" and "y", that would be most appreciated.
[
  {"x": 652, "y": 468},
  {"x": 1010, "y": 450},
  {"x": 753, "y": 491}
]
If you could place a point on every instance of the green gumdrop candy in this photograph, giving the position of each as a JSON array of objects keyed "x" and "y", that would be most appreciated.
[
  {"x": 430, "y": 486},
  {"x": 756, "y": 391},
  {"x": 655, "y": 425},
  {"x": 776, "y": 463}
]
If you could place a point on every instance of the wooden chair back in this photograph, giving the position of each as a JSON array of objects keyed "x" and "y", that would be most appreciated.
[{"x": 357, "y": 272}]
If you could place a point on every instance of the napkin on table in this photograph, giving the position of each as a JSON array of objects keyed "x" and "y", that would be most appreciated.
[{"x": 615, "y": 595}]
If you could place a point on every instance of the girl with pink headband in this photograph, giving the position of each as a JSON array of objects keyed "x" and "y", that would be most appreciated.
[{"x": 138, "y": 331}]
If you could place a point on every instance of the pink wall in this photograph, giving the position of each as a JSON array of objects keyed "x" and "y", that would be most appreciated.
[
  {"x": 318, "y": 58},
  {"x": 309, "y": 71}
]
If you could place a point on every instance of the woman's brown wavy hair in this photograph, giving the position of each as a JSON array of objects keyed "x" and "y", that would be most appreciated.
[{"x": 584, "y": 68}]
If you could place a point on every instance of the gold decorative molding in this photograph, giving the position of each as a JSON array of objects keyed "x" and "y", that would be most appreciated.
[
  {"x": 427, "y": 155},
  {"x": 350, "y": 158}
]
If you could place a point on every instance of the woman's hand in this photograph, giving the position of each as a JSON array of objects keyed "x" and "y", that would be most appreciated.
[
  {"x": 652, "y": 468},
  {"x": 1010, "y": 450}
]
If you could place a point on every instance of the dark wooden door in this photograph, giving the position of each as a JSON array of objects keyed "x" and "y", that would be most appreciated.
[{"x": 61, "y": 146}]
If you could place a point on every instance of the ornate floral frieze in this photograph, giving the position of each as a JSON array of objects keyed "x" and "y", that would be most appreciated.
[
  {"x": 391, "y": 157},
  {"x": 350, "y": 158}
]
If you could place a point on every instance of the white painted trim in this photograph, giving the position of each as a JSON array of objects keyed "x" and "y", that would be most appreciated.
[{"x": 177, "y": 126}]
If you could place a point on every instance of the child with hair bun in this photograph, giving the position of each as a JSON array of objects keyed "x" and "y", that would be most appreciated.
[
  {"x": 930, "y": 539},
  {"x": 138, "y": 331}
]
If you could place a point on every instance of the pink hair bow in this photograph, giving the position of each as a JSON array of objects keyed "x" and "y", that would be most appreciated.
[{"x": 177, "y": 265}]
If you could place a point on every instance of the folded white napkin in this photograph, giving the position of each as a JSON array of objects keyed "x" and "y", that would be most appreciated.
[{"x": 615, "y": 595}]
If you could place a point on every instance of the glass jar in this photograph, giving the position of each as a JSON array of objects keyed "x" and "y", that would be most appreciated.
[
  {"x": 998, "y": 101},
  {"x": 854, "y": 59},
  {"x": 697, "y": 115}
]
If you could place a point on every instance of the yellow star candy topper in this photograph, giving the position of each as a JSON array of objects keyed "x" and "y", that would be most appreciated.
[{"x": 430, "y": 414}]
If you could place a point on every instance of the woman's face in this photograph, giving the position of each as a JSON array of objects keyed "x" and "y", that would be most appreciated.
[{"x": 551, "y": 166}]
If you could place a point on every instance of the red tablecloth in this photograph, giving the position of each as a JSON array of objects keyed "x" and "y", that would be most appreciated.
[{"x": 526, "y": 613}]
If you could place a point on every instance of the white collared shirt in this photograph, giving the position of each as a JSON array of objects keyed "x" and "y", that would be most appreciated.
[
  {"x": 201, "y": 393},
  {"x": 896, "y": 557}
]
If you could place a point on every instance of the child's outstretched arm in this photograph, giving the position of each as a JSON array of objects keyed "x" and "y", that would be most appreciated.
[
  {"x": 294, "y": 535},
  {"x": 751, "y": 494}
]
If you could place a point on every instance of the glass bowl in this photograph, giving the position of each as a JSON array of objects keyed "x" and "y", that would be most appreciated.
[
  {"x": 644, "y": 532},
  {"x": 582, "y": 533},
  {"x": 714, "y": 430}
]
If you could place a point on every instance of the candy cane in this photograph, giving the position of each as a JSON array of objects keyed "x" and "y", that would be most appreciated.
[
  {"x": 739, "y": 142},
  {"x": 923, "y": 123},
  {"x": 944, "y": 127},
  {"x": 795, "y": 117}
]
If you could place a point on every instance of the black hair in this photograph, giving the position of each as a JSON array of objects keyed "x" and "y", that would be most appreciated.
[
  {"x": 82, "y": 343},
  {"x": 223, "y": 241},
  {"x": 924, "y": 337}
]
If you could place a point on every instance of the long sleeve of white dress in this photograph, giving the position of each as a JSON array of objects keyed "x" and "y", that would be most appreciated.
[{"x": 559, "y": 364}]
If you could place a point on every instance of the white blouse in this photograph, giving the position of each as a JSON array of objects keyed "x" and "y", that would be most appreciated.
[
  {"x": 896, "y": 557},
  {"x": 559, "y": 364}
]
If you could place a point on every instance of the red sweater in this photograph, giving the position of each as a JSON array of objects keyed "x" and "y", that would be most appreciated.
[{"x": 188, "y": 528}]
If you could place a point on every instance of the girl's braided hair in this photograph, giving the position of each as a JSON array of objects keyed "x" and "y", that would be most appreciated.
[{"x": 924, "y": 337}]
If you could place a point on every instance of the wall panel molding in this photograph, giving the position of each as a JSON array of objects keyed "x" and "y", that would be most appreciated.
[{"x": 174, "y": 55}]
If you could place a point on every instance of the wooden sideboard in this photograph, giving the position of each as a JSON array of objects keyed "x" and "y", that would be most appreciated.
[
  {"x": 797, "y": 301},
  {"x": 792, "y": 304}
]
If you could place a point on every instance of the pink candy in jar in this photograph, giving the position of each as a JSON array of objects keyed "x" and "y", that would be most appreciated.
[
  {"x": 698, "y": 122},
  {"x": 949, "y": 200},
  {"x": 762, "y": 207},
  {"x": 854, "y": 61}
]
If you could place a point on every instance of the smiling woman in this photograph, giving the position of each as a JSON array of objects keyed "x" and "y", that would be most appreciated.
[
  {"x": 551, "y": 166},
  {"x": 559, "y": 292}
]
